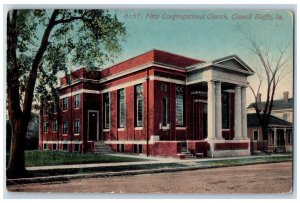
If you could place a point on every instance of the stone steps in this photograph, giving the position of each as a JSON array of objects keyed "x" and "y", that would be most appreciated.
[
  {"x": 101, "y": 148},
  {"x": 187, "y": 154}
]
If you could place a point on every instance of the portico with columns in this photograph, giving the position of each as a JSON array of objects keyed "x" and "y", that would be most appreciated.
[{"x": 228, "y": 74}]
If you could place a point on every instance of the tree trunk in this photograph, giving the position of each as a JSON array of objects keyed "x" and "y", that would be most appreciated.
[{"x": 16, "y": 165}]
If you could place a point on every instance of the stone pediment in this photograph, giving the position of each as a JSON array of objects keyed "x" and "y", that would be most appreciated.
[{"x": 233, "y": 63}]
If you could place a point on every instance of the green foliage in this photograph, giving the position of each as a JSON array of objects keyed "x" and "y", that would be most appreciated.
[{"x": 78, "y": 38}]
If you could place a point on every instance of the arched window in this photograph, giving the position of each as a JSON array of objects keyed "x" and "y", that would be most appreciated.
[{"x": 164, "y": 111}]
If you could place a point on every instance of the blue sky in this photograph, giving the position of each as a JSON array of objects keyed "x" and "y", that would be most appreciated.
[{"x": 207, "y": 38}]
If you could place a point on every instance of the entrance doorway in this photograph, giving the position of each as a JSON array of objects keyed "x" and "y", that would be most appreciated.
[
  {"x": 93, "y": 127},
  {"x": 200, "y": 119}
]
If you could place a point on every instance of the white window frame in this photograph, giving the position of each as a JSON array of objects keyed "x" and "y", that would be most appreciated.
[
  {"x": 139, "y": 98},
  {"x": 75, "y": 121},
  {"x": 106, "y": 114},
  {"x": 54, "y": 125},
  {"x": 77, "y": 96},
  {"x": 179, "y": 114},
  {"x": 162, "y": 104},
  {"x": 67, "y": 104},
  {"x": 46, "y": 126},
  {"x": 122, "y": 124},
  {"x": 65, "y": 122}
]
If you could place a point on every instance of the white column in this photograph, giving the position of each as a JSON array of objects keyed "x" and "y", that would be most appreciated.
[
  {"x": 275, "y": 137},
  {"x": 218, "y": 111},
  {"x": 244, "y": 113},
  {"x": 237, "y": 113},
  {"x": 211, "y": 129}
]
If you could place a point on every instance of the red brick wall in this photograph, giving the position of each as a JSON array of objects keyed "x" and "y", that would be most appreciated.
[
  {"x": 260, "y": 145},
  {"x": 174, "y": 59},
  {"x": 231, "y": 146},
  {"x": 151, "y": 56},
  {"x": 198, "y": 147},
  {"x": 167, "y": 149}
]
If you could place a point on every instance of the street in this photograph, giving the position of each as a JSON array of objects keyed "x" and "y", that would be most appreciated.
[{"x": 260, "y": 178}]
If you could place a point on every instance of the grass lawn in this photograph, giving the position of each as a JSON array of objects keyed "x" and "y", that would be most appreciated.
[
  {"x": 246, "y": 161},
  {"x": 47, "y": 158}
]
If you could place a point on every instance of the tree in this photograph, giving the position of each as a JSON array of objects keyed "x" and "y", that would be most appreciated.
[
  {"x": 270, "y": 71},
  {"x": 40, "y": 44}
]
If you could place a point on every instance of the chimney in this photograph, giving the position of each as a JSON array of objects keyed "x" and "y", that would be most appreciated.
[
  {"x": 286, "y": 96},
  {"x": 258, "y": 97}
]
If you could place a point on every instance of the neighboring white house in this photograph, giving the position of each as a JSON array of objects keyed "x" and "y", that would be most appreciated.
[{"x": 282, "y": 108}]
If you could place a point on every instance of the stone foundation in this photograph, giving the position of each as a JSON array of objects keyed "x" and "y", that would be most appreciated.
[{"x": 228, "y": 148}]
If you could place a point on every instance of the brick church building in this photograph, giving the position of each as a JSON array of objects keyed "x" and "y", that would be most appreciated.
[{"x": 157, "y": 104}]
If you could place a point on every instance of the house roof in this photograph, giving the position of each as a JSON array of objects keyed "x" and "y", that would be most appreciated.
[
  {"x": 252, "y": 121},
  {"x": 277, "y": 104}
]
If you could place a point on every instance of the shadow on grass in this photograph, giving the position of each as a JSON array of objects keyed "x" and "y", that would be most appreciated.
[
  {"x": 73, "y": 171},
  {"x": 51, "y": 158}
]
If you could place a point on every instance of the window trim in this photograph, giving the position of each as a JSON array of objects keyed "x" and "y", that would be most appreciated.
[
  {"x": 47, "y": 146},
  {"x": 53, "y": 125},
  {"x": 79, "y": 101},
  {"x": 106, "y": 126},
  {"x": 46, "y": 127},
  {"x": 54, "y": 149},
  {"x": 67, "y": 104},
  {"x": 63, "y": 132},
  {"x": 166, "y": 110},
  {"x": 179, "y": 96},
  {"x": 65, "y": 144},
  {"x": 119, "y": 109},
  {"x": 139, "y": 98},
  {"x": 75, "y": 121}
]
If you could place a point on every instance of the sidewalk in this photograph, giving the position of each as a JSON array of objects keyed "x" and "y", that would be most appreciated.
[
  {"x": 149, "y": 160},
  {"x": 61, "y": 173}
]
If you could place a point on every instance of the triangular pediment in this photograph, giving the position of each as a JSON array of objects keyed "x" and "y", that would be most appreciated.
[{"x": 233, "y": 63}]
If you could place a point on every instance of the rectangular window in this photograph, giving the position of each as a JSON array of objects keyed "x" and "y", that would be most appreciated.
[
  {"x": 54, "y": 125},
  {"x": 65, "y": 128},
  {"x": 139, "y": 98},
  {"x": 76, "y": 126},
  {"x": 77, "y": 148},
  {"x": 118, "y": 147},
  {"x": 65, "y": 104},
  {"x": 77, "y": 101},
  {"x": 285, "y": 116},
  {"x": 225, "y": 110},
  {"x": 255, "y": 135},
  {"x": 140, "y": 149},
  {"x": 122, "y": 108},
  {"x": 54, "y": 147},
  {"x": 65, "y": 147},
  {"x": 46, "y": 126},
  {"x": 164, "y": 111},
  {"x": 106, "y": 110},
  {"x": 45, "y": 146},
  {"x": 122, "y": 148},
  {"x": 179, "y": 105},
  {"x": 135, "y": 148}
]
